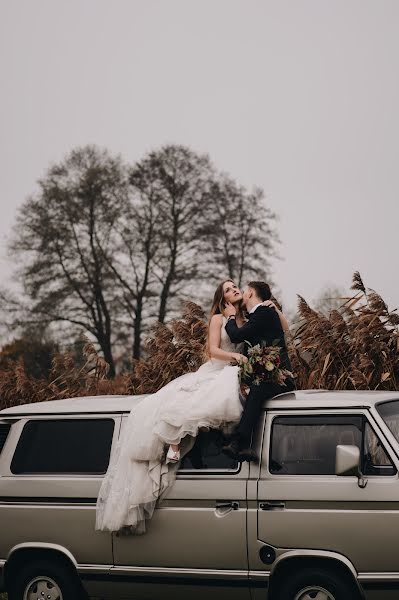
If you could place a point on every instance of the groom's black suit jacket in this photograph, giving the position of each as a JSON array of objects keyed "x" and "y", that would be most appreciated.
[{"x": 263, "y": 326}]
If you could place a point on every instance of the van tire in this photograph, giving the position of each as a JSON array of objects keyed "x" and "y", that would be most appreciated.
[
  {"x": 62, "y": 575},
  {"x": 339, "y": 588}
]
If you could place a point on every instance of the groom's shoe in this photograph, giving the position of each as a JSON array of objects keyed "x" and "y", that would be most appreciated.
[
  {"x": 247, "y": 454},
  {"x": 232, "y": 449}
]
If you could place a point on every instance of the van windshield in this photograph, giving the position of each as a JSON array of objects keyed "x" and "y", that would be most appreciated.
[{"x": 389, "y": 411}]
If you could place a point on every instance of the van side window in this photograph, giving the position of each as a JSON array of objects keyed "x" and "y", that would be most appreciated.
[
  {"x": 307, "y": 445},
  {"x": 64, "y": 446},
  {"x": 207, "y": 453},
  {"x": 375, "y": 459}
]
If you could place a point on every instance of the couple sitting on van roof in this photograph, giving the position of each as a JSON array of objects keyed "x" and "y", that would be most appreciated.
[{"x": 139, "y": 473}]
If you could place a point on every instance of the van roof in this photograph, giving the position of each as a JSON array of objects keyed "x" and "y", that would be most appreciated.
[
  {"x": 310, "y": 399},
  {"x": 319, "y": 399},
  {"x": 81, "y": 404}
]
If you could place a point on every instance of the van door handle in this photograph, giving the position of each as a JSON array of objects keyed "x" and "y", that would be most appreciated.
[
  {"x": 233, "y": 505},
  {"x": 271, "y": 505}
]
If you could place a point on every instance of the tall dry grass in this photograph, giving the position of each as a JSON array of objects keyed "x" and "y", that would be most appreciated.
[
  {"x": 355, "y": 347},
  {"x": 65, "y": 380},
  {"x": 172, "y": 350}
]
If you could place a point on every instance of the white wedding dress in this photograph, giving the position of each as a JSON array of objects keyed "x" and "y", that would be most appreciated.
[{"x": 137, "y": 475}]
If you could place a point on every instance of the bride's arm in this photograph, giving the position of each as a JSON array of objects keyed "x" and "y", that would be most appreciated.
[{"x": 215, "y": 329}]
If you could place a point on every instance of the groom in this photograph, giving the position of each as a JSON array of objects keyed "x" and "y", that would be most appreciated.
[{"x": 263, "y": 327}]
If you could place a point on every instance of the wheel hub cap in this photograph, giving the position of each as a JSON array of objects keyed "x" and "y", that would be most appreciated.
[
  {"x": 314, "y": 592},
  {"x": 42, "y": 588}
]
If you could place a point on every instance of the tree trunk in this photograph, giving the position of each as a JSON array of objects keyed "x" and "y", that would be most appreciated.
[
  {"x": 165, "y": 294},
  {"x": 137, "y": 329},
  {"x": 106, "y": 348},
  {"x": 170, "y": 276}
]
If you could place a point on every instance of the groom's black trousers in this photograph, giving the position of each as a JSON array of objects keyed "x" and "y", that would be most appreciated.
[{"x": 253, "y": 407}]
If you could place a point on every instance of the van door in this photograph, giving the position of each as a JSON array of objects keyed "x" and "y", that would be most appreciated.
[
  {"x": 302, "y": 504},
  {"x": 196, "y": 541}
]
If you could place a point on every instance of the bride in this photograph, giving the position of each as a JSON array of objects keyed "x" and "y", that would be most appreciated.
[{"x": 139, "y": 473}]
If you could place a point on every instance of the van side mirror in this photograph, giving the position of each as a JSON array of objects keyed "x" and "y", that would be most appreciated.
[{"x": 347, "y": 462}]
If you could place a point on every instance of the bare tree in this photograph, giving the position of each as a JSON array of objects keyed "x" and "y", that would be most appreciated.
[
  {"x": 57, "y": 238},
  {"x": 242, "y": 231},
  {"x": 208, "y": 227},
  {"x": 108, "y": 250},
  {"x": 136, "y": 240},
  {"x": 178, "y": 181}
]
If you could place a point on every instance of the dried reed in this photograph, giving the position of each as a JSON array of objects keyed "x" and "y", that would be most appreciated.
[{"x": 354, "y": 347}]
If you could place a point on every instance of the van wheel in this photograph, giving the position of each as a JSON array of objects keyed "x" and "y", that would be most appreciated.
[
  {"x": 314, "y": 584},
  {"x": 47, "y": 580}
]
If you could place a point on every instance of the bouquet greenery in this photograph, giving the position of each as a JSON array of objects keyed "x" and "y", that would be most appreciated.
[{"x": 263, "y": 365}]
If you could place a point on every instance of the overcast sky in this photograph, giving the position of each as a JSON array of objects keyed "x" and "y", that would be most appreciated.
[{"x": 299, "y": 97}]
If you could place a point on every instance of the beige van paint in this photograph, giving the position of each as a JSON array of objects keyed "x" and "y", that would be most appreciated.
[{"x": 194, "y": 547}]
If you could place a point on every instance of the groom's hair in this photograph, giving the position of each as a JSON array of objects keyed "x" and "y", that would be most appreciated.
[{"x": 261, "y": 289}]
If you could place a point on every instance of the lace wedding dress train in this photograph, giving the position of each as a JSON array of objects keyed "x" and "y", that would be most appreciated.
[{"x": 137, "y": 475}]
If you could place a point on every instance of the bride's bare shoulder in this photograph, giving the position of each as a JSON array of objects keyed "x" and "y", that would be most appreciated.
[{"x": 216, "y": 320}]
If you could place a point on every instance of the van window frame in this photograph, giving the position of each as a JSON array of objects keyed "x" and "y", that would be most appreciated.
[
  {"x": 182, "y": 473},
  {"x": 365, "y": 415},
  {"x": 18, "y": 428},
  {"x": 213, "y": 472}
]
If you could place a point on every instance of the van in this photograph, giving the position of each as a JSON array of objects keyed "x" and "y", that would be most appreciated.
[{"x": 317, "y": 517}]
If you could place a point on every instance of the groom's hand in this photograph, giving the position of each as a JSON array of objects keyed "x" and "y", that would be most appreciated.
[{"x": 229, "y": 310}]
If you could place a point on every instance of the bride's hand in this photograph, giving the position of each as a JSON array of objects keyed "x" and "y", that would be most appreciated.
[
  {"x": 238, "y": 357},
  {"x": 270, "y": 304}
]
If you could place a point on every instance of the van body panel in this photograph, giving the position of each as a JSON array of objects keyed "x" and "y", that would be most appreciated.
[
  {"x": 187, "y": 523},
  {"x": 208, "y": 533},
  {"x": 51, "y": 509},
  {"x": 331, "y": 513},
  {"x": 69, "y": 526},
  {"x": 188, "y": 532},
  {"x": 122, "y": 584}
]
